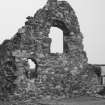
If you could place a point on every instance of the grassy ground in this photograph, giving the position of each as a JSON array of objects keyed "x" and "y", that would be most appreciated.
[{"x": 83, "y": 100}]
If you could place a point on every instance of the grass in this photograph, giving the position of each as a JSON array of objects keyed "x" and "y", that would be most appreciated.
[{"x": 83, "y": 100}]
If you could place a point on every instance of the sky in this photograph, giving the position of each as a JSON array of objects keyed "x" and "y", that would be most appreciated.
[{"x": 90, "y": 13}]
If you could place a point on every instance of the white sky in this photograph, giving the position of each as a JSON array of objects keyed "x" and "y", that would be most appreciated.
[{"x": 90, "y": 13}]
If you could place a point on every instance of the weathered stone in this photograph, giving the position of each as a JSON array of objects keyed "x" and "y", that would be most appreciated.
[{"x": 56, "y": 75}]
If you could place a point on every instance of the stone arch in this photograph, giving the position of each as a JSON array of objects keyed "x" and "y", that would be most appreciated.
[
  {"x": 61, "y": 15},
  {"x": 61, "y": 25}
]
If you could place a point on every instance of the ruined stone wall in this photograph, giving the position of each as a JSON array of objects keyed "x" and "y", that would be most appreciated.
[{"x": 57, "y": 74}]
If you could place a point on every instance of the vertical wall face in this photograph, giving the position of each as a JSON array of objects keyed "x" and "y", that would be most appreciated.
[
  {"x": 59, "y": 68},
  {"x": 57, "y": 72},
  {"x": 61, "y": 15},
  {"x": 103, "y": 73}
]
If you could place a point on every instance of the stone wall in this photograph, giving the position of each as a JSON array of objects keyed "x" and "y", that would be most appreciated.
[{"x": 57, "y": 75}]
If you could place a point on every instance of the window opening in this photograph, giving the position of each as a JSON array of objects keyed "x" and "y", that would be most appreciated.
[
  {"x": 32, "y": 64},
  {"x": 56, "y": 35},
  {"x": 32, "y": 72}
]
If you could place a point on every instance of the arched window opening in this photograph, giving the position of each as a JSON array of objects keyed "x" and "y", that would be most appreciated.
[
  {"x": 56, "y": 35},
  {"x": 32, "y": 64},
  {"x": 32, "y": 73}
]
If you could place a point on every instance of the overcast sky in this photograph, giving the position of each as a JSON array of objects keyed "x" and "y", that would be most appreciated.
[{"x": 91, "y": 16}]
